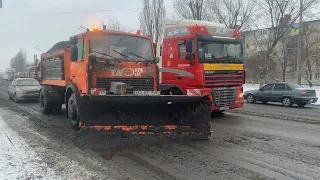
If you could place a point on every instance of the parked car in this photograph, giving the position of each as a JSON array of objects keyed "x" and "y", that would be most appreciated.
[
  {"x": 24, "y": 89},
  {"x": 284, "y": 92}
]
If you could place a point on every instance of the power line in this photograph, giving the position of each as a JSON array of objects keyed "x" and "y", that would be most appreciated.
[{"x": 72, "y": 12}]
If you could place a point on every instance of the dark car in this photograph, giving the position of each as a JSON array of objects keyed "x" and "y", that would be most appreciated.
[{"x": 284, "y": 92}]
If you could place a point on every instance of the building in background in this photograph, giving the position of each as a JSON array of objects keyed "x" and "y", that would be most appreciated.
[{"x": 284, "y": 56}]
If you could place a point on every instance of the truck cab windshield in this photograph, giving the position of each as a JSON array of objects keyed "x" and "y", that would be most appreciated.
[
  {"x": 220, "y": 52},
  {"x": 119, "y": 46}
]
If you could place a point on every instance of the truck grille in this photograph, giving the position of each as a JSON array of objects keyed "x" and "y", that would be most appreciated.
[
  {"x": 223, "y": 78},
  {"x": 139, "y": 84},
  {"x": 224, "y": 96}
]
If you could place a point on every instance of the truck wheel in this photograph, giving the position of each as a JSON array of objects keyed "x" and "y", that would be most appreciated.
[
  {"x": 73, "y": 112},
  {"x": 45, "y": 106}
]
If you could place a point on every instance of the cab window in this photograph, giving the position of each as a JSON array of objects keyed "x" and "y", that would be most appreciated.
[
  {"x": 81, "y": 48},
  {"x": 185, "y": 49}
]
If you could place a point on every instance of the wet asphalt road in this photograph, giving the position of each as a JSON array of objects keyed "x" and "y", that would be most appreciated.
[{"x": 242, "y": 146}]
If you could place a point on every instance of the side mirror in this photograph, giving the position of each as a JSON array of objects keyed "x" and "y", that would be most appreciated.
[
  {"x": 156, "y": 60},
  {"x": 73, "y": 40},
  {"x": 92, "y": 59},
  {"x": 190, "y": 57},
  {"x": 189, "y": 46},
  {"x": 74, "y": 53}
]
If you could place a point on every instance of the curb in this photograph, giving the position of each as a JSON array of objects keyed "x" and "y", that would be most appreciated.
[{"x": 274, "y": 116}]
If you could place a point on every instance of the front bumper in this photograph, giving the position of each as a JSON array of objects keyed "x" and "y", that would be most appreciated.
[
  {"x": 28, "y": 96},
  {"x": 237, "y": 104}
]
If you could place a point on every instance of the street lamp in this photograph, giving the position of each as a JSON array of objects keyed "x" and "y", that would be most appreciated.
[{"x": 36, "y": 47}]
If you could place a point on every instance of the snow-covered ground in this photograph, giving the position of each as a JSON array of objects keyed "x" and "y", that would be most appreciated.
[
  {"x": 18, "y": 160},
  {"x": 247, "y": 87}
]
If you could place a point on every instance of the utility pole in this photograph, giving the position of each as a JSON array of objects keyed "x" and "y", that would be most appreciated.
[{"x": 300, "y": 39}]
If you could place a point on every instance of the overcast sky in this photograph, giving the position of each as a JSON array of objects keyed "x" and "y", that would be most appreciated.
[{"x": 20, "y": 29}]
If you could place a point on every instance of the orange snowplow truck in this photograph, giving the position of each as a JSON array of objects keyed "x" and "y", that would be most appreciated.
[{"x": 108, "y": 81}]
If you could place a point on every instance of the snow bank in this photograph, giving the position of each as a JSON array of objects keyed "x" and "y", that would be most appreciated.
[
  {"x": 18, "y": 160},
  {"x": 248, "y": 87}
]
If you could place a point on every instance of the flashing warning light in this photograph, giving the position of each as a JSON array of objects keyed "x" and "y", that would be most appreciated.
[
  {"x": 138, "y": 31},
  {"x": 95, "y": 28}
]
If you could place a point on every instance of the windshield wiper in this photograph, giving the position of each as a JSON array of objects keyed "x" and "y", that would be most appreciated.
[
  {"x": 137, "y": 56},
  {"x": 121, "y": 54},
  {"x": 104, "y": 54},
  {"x": 217, "y": 59},
  {"x": 231, "y": 57},
  {"x": 228, "y": 58}
]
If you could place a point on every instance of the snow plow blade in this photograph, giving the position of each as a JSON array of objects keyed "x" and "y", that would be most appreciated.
[{"x": 145, "y": 115}]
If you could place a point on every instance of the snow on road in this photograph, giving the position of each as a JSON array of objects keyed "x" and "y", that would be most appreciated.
[
  {"x": 18, "y": 160},
  {"x": 248, "y": 87}
]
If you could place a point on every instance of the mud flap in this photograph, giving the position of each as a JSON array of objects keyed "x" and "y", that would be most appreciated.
[{"x": 142, "y": 115}]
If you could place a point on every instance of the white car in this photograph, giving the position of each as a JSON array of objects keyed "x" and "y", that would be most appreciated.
[
  {"x": 24, "y": 89},
  {"x": 5, "y": 77}
]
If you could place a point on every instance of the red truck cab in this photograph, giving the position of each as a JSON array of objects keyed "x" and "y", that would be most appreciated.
[{"x": 199, "y": 57}]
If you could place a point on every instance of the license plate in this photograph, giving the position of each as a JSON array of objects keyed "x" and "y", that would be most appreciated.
[
  {"x": 223, "y": 108},
  {"x": 146, "y": 93}
]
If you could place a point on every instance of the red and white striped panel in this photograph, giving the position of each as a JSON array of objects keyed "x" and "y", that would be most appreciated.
[{"x": 193, "y": 92}]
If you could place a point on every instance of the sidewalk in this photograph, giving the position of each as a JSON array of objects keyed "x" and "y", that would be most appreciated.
[{"x": 18, "y": 160}]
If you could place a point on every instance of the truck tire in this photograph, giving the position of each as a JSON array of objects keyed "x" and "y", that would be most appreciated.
[
  {"x": 45, "y": 106},
  {"x": 56, "y": 108},
  {"x": 73, "y": 112}
]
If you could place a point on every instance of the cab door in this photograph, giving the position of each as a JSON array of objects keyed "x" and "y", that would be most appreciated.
[
  {"x": 78, "y": 68},
  {"x": 185, "y": 63}
]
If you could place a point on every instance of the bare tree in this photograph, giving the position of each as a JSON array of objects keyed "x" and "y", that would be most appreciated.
[
  {"x": 280, "y": 15},
  {"x": 286, "y": 54},
  {"x": 232, "y": 13},
  {"x": 311, "y": 51},
  {"x": 115, "y": 25},
  {"x": 191, "y": 9},
  {"x": 149, "y": 17}
]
